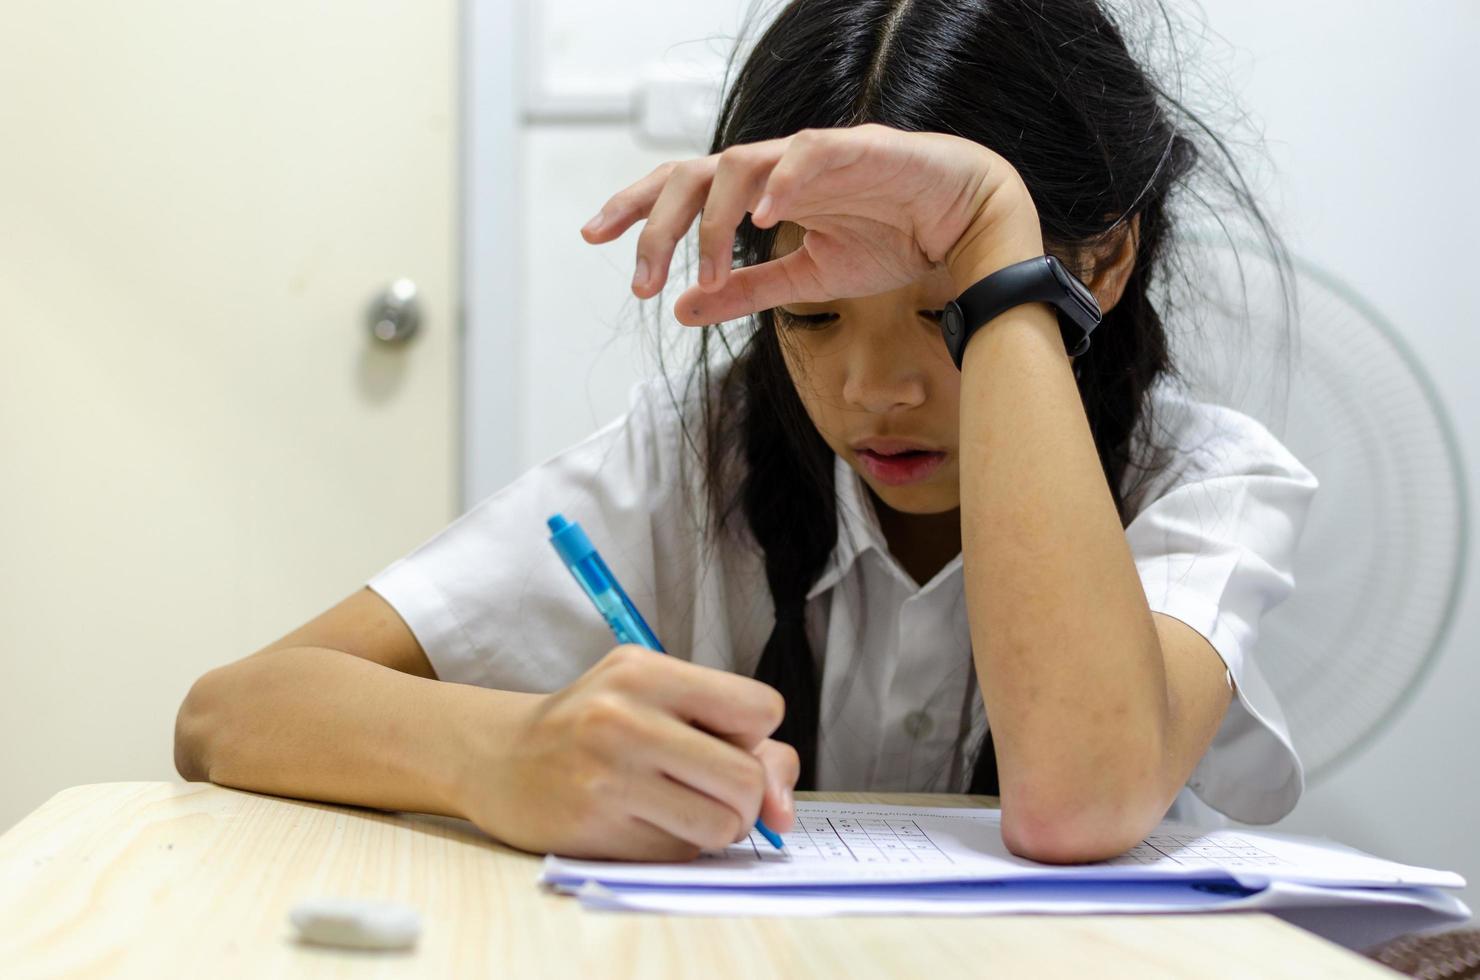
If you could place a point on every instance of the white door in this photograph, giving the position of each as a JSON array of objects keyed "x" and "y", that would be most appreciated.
[{"x": 200, "y": 444}]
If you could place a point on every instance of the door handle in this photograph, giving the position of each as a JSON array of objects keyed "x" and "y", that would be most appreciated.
[{"x": 395, "y": 315}]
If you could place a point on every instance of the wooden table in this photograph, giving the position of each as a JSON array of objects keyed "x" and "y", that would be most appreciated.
[{"x": 194, "y": 880}]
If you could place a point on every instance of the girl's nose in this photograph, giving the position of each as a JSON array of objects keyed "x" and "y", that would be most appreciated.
[{"x": 883, "y": 378}]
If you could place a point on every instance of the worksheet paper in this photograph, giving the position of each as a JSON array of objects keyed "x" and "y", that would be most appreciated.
[
  {"x": 1011, "y": 898},
  {"x": 1358, "y": 918},
  {"x": 861, "y": 844}
]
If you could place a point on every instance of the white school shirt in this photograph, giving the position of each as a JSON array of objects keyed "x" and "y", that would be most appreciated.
[{"x": 1213, "y": 539}]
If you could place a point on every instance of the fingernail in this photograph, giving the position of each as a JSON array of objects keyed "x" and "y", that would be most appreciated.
[
  {"x": 761, "y": 208},
  {"x": 788, "y": 802},
  {"x": 595, "y": 222},
  {"x": 640, "y": 276},
  {"x": 706, "y": 272}
]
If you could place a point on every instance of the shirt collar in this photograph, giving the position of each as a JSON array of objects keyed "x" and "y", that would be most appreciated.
[
  {"x": 858, "y": 527},
  {"x": 859, "y": 531}
]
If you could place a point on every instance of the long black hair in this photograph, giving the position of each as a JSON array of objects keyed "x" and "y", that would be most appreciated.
[{"x": 1051, "y": 86}]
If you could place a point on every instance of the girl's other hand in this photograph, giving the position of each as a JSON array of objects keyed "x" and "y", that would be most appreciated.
[
  {"x": 880, "y": 208},
  {"x": 622, "y": 764}
]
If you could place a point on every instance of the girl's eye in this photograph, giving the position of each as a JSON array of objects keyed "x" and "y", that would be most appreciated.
[
  {"x": 808, "y": 321},
  {"x": 816, "y": 321}
]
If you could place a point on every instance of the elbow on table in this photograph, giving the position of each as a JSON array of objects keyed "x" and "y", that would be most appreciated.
[
  {"x": 1072, "y": 835},
  {"x": 193, "y": 728}
]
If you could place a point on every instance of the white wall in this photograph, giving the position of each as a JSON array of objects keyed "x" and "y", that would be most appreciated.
[{"x": 1368, "y": 110}]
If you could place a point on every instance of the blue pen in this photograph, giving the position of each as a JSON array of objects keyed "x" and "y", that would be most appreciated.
[{"x": 580, "y": 556}]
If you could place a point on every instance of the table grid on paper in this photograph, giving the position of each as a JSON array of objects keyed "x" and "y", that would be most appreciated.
[
  {"x": 1196, "y": 850},
  {"x": 862, "y": 840}
]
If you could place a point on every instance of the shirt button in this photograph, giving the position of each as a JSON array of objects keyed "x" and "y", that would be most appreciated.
[{"x": 917, "y": 724}]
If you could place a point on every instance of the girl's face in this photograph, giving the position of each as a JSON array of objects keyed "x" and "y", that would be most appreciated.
[{"x": 879, "y": 384}]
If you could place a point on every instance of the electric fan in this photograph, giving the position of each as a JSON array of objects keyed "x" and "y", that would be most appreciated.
[{"x": 1379, "y": 565}]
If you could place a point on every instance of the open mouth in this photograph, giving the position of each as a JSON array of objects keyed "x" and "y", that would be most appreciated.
[{"x": 906, "y": 466}]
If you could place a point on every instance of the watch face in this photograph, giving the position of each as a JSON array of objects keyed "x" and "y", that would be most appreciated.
[{"x": 1077, "y": 289}]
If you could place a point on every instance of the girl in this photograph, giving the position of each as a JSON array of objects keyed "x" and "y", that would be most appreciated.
[{"x": 1036, "y": 575}]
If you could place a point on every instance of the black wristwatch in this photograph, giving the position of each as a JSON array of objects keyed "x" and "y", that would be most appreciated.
[{"x": 1038, "y": 280}]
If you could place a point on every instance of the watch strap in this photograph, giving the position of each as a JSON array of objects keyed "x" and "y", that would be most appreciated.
[{"x": 1042, "y": 279}]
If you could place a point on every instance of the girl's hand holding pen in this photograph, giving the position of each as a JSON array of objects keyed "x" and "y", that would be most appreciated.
[
  {"x": 642, "y": 757},
  {"x": 881, "y": 208}
]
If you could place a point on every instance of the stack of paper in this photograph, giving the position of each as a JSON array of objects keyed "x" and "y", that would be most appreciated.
[{"x": 858, "y": 858}]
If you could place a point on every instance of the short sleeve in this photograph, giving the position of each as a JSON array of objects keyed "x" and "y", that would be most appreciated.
[
  {"x": 1214, "y": 542},
  {"x": 487, "y": 597}
]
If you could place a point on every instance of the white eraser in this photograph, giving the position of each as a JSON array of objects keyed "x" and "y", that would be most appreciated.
[{"x": 356, "y": 922}]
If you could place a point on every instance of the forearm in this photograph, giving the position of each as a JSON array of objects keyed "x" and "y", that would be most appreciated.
[
  {"x": 1065, "y": 647},
  {"x": 317, "y": 723}
]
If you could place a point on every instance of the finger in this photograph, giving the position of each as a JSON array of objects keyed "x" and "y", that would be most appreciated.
[
  {"x": 739, "y": 174},
  {"x": 647, "y": 842},
  {"x": 718, "y": 701},
  {"x": 627, "y": 206},
  {"x": 732, "y": 776},
  {"x": 686, "y": 813},
  {"x": 789, "y": 279},
  {"x": 808, "y": 154},
  {"x": 631, "y": 839},
  {"x": 668, "y": 221},
  {"x": 782, "y": 766}
]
